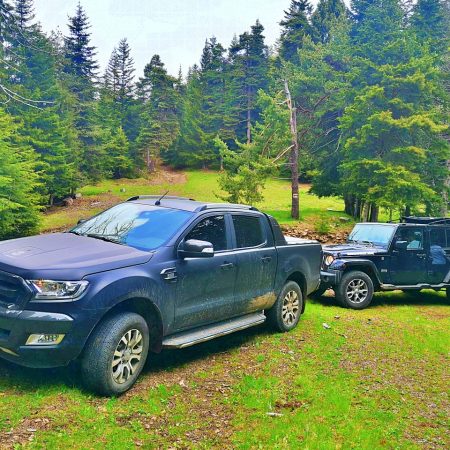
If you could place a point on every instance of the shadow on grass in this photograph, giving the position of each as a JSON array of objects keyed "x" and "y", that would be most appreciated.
[
  {"x": 24, "y": 379},
  {"x": 394, "y": 298}
]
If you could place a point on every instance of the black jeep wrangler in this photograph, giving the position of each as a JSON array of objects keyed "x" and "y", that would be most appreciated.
[{"x": 411, "y": 255}]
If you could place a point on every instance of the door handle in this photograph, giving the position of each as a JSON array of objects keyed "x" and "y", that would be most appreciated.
[
  {"x": 227, "y": 266},
  {"x": 266, "y": 259}
]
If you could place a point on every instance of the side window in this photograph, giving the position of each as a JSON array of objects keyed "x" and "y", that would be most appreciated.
[
  {"x": 414, "y": 237},
  {"x": 248, "y": 231},
  {"x": 211, "y": 229},
  {"x": 437, "y": 237},
  {"x": 447, "y": 231}
]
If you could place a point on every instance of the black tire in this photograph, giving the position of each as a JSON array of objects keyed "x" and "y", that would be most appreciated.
[
  {"x": 111, "y": 336},
  {"x": 448, "y": 293},
  {"x": 355, "y": 290},
  {"x": 285, "y": 313}
]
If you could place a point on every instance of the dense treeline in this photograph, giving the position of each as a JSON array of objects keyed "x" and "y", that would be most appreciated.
[{"x": 369, "y": 91}]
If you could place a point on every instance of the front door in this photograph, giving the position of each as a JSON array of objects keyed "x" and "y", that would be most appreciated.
[
  {"x": 256, "y": 259},
  {"x": 205, "y": 286},
  {"x": 439, "y": 255},
  {"x": 409, "y": 266}
]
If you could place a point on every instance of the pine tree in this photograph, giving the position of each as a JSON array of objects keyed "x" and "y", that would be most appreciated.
[
  {"x": 295, "y": 25},
  {"x": 327, "y": 13},
  {"x": 159, "y": 116},
  {"x": 19, "y": 199},
  {"x": 24, "y": 12}
]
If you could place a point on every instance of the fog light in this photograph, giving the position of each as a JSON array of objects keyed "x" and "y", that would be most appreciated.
[{"x": 45, "y": 339}]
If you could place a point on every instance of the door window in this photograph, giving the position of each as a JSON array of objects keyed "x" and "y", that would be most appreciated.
[
  {"x": 414, "y": 237},
  {"x": 437, "y": 246},
  {"x": 248, "y": 231},
  {"x": 211, "y": 229}
]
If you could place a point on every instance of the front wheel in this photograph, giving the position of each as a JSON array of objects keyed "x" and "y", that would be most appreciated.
[
  {"x": 285, "y": 313},
  {"x": 355, "y": 290},
  {"x": 115, "y": 354}
]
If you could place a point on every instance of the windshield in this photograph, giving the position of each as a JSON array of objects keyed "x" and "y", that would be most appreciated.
[
  {"x": 140, "y": 226},
  {"x": 375, "y": 234}
]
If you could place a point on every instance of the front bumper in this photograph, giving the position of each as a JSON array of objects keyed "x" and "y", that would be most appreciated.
[
  {"x": 330, "y": 277},
  {"x": 17, "y": 325}
]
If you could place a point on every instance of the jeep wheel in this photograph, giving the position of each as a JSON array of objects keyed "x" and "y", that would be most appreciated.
[
  {"x": 355, "y": 290},
  {"x": 115, "y": 354},
  {"x": 285, "y": 313}
]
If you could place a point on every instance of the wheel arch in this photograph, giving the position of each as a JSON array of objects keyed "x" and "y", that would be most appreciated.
[
  {"x": 300, "y": 279},
  {"x": 368, "y": 269},
  {"x": 148, "y": 310}
]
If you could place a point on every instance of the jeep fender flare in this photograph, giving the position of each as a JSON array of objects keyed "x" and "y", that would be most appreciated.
[{"x": 364, "y": 265}]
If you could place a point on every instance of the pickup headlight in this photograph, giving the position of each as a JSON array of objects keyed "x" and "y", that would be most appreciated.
[{"x": 58, "y": 290}]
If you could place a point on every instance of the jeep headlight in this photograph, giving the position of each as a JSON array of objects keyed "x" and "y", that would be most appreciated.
[
  {"x": 329, "y": 260},
  {"x": 58, "y": 290}
]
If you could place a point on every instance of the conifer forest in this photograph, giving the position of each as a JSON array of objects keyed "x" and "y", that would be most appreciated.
[{"x": 353, "y": 98}]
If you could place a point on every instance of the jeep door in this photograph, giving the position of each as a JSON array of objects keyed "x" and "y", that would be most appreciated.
[
  {"x": 409, "y": 266},
  {"x": 439, "y": 255},
  {"x": 205, "y": 286},
  {"x": 256, "y": 259}
]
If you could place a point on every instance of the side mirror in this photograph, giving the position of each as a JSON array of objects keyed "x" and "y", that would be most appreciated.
[
  {"x": 193, "y": 248},
  {"x": 401, "y": 245}
]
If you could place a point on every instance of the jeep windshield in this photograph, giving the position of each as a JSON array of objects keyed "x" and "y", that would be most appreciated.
[
  {"x": 140, "y": 226},
  {"x": 372, "y": 234}
]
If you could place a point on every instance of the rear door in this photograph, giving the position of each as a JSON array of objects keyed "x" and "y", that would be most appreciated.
[
  {"x": 256, "y": 260},
  {"x": 205, "y": 286},
  {"x": 439, "y": 255}
]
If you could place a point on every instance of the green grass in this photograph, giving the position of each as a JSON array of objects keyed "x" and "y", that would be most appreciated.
[
  {"x": 201, "y": 185},
  {"x": 376, "y": 379}
]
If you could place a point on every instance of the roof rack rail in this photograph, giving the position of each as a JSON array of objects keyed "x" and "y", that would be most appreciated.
[
  {"x": 227, "y": 205},
  {"x": 426, "y": 220},
  {"x": 156, "y": 197}
]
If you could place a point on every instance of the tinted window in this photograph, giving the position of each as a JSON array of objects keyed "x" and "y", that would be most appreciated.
[
  {"x": 414, "y": 237},
  {"x": 140, "y": 226},
  {"x": 211, "y": 229},
  {"x": 248, "y": 231},
  {"x": 437, "y": 237}
]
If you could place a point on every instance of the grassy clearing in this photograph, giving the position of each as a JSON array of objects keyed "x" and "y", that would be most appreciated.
[
  {"x": 377, "y": 379},
  {"x": 201, "y": 185}
]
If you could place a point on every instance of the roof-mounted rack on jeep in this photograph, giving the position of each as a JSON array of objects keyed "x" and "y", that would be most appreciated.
[
  {"x": 426, "y": 220},
  {"x": 157, "y": 197}
]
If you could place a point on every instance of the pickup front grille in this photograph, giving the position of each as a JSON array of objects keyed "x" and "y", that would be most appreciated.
[{"x": 13, "y": 290}]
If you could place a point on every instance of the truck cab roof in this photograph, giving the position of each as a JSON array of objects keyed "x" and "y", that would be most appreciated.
[{"x": 187, "y": 204}]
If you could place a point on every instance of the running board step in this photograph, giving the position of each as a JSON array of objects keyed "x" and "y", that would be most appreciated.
[{"x": 202, "y": 334}]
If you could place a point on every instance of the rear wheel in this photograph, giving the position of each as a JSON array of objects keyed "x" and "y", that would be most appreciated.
[
  {"x": 355, "y": 290},
  {"x": 285, "y": 313},
  {"x": 115, "y": 354}
]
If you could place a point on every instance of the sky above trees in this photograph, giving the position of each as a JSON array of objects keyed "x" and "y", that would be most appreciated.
[{"x": 175, "y": 30}]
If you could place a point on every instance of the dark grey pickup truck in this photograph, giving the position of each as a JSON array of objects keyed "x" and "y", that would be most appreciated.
[{"x": 148, "y": 274}]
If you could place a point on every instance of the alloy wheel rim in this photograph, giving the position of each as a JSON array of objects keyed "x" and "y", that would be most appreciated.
[
  {"x": 127, "y": 356},
  {"x": 290, "y": 310},
  {"x": 357, "y": 291}
]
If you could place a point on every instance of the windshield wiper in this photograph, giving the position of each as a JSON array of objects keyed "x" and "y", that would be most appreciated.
[
  {"x": 105, "y": 237},
  {"x": 371, "y": 244}
]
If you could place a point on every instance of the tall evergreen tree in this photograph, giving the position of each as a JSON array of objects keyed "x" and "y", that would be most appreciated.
[
  {"x": 327, "y": 13},
  {"x": 295, "y": 25},
  {"x": 24, "y": 12}
]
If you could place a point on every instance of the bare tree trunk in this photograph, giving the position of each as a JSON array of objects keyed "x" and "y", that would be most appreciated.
[
  {"x": 295, "y": 210},
  {"x": 374, "y": 212}
]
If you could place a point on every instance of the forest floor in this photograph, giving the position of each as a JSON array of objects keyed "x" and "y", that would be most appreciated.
[{"x": 376, "y": 378}]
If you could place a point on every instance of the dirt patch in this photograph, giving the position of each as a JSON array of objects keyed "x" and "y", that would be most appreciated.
[{"x": 303, "y": 231}]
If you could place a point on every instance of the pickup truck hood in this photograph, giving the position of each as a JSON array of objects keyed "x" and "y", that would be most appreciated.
[
  {"x": 352, "y": 250},
  {"x": 65, "y": 256}
]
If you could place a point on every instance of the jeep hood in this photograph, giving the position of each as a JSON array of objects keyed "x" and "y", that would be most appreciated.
[
  {"x": 353, "y": 250},
  {"x": 65, "y": 256}
]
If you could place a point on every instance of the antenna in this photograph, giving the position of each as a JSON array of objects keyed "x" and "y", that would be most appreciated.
[{"x": 158, "y": 202}]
